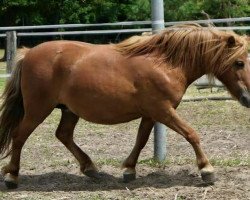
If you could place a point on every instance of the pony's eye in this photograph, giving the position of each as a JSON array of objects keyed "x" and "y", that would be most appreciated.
[{"x": 239, "y": 64}]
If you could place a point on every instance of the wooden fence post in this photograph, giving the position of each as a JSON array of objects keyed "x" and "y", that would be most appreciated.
[{"x": 11, "y": 49}]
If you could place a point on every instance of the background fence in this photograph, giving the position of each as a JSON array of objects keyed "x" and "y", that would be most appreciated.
[{"x": 13, "y": 33}]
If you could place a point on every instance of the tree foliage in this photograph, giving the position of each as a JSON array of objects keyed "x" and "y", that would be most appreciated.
[
  {"x": 176, "y": 10},
  {"x": 36, "y": 12}
]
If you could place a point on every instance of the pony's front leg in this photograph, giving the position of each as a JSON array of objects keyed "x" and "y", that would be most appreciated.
[
  {"x": 129, "y": 164},
  {"x": 171, "y": 119}
]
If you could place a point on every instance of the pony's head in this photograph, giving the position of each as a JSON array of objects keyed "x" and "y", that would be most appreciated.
[
  {"x": 200, "y": 50},
  {"x": 236, "y": 75}
]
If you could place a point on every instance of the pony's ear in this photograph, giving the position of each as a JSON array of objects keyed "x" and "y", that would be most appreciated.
[{"x": 231, "y": 41}]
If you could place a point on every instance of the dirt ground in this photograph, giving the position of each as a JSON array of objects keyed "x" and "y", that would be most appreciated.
[{"x": 49, "y": 171}]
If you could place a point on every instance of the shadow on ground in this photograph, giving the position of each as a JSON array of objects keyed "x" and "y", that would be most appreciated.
[{"x": 57, "y": 181}]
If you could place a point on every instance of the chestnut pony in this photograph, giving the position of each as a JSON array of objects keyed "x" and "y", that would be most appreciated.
[{"x": 142, "y": 77}]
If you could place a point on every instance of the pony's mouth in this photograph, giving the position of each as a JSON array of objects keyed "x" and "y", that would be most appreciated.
[{"x": 245, "y": 99}]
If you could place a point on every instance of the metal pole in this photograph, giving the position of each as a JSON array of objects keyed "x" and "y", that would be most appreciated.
[
  {"x": 157, "y": 15},
  {"x": 11, "y": 49},
  {"x": 160, "y": 135}
]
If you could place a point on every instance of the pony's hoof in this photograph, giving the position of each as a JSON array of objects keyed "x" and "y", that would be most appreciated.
[
  {"x": 10, "y": 181},
  {"x": 129, "y": 175},
  {"x": 92, "y": 174},
  {"x": 208, "y": 177}
]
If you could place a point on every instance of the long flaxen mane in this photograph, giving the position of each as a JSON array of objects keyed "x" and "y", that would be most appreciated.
[{"x": 189, "y": 45}]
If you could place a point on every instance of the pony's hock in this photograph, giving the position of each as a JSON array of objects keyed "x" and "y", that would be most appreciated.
[{"x": 142, "y": 77}]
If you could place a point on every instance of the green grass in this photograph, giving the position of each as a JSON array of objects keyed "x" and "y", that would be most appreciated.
[
  {"x": 2, "y": 85},
  {"x": 110, "y": 161},
  {"x": 2, "y": 195},
  {"x": 154, "y": 163},
  {"x": 2, "y": 64},
  {"x": 233, "y": 162},
  {"x": 2, "y": 71},
  {"x": 1, "y": 53},
  {"x": 150, "y": 162}
]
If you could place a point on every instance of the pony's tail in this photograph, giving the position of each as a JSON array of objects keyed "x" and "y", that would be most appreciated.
[{"x": 12, "y": 110}]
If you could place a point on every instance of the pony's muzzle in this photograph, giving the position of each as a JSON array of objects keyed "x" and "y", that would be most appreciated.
[{"x": 245, "y": 99}]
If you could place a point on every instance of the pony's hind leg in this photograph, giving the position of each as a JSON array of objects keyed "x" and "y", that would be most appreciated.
[
  {"x": 19, "y": 136},
  {"x": 64, "y": 133},
  {"x": 129, "y": 164}
]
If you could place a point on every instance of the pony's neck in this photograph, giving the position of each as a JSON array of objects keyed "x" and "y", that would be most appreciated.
[{"x": 192, "y": 74}]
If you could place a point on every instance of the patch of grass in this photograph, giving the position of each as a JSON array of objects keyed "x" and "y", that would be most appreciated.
[
  {"x": 111, "y": 161},
  {"x": 224, "y": 114},
  {"x": 2, "y": 85},
  {"x": 2, "y": 64},
  {"x": 233, "y": 162},
  {"x": 151, "y": 162},
  {"x": 192, "y": 91},
  {"x": 2, "y": 71},
  {"x": 62, "y": 162},
  {"x": 229, "y": 162},
  {"x": 96, "y": 197},
  {"x": 154, "y": 163},
  {"x": 180, "y": 198},
  {"x": 3, "y": 195},
  {"x": 1, "y": 53}
]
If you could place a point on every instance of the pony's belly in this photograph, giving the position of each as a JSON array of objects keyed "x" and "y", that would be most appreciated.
[
  {"x": 104, "y": 116},
  {"x": 104, "y": 111},
  {"x": 111, "y": 119}
]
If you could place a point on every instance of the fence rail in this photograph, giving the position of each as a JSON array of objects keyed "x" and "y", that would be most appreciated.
[
  {"x": 129, "y": 23},
  {"x": 97, "y": 32},
  {"x": 115, "y": 31},
  {"x": 105, "y": 32},
  {"x": 14, "y": 31}
]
